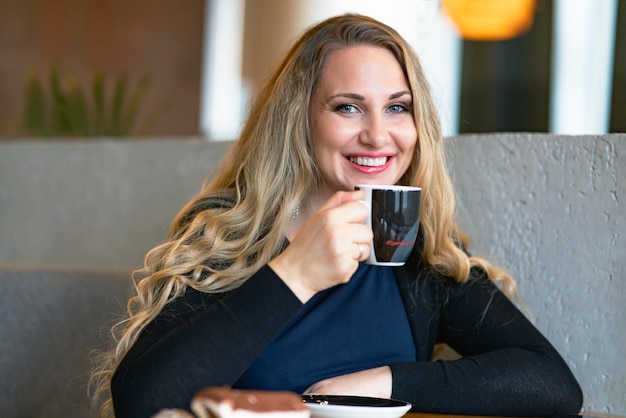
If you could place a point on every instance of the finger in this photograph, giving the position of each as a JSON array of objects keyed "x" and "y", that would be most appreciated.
[
  {"x": 354, "y": 211},
  {"x": 339, "y": 198},
  {"x": 357, "y": 232},
  {"x": 365, "y": 252},
  {"x": 361, "y": 249}
]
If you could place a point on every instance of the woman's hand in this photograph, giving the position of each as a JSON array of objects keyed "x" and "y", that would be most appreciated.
[
  {"x": 327, "y": 249},
  {"x": 373, "y": 382}
]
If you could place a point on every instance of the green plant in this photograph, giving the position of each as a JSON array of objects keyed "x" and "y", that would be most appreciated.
[{"x": 65, "y": 109}]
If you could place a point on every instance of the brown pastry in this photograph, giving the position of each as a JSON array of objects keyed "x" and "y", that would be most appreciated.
[
  {"x": 224, "y": 402},
  {"x": 173, "y": 413}
]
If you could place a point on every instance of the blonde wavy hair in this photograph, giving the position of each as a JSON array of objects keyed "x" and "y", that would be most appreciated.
[{"x": 268, "y": 172}]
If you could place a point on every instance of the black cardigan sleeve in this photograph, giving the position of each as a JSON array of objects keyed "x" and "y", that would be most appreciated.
[
  {"x": 169, "y": 361},
  {"x": 508, "y": 367}
]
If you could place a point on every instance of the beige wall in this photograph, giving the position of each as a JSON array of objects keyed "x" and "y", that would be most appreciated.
[
  {"x": 161, "y": 39},
  {"x": 269, "y": 31}
]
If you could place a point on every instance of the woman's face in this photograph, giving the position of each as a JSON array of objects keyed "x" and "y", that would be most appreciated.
[{"x": 362, "y": 125}]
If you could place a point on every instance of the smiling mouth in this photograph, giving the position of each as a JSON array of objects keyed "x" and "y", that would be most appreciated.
[{"x": 368, "y": 161}]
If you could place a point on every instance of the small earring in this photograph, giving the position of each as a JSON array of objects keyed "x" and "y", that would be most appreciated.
[{"x": 295, "y": 213}]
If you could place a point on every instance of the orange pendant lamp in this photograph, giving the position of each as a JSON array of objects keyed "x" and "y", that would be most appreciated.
[{"x": 490, "y": 20}]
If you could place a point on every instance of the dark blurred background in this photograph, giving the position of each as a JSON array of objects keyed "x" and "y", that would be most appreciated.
[
  {"x": 150, "y": 53},
  {"x": 506, "y": 84}
]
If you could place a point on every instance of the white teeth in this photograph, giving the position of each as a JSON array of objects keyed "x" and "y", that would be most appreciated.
[{"x": 369, "y": 162}]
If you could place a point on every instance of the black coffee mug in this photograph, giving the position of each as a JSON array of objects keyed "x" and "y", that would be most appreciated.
[{"x": 394, "y": 216}]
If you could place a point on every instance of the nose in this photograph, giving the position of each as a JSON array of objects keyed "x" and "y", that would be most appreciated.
[{"x": 375, "y": 132}]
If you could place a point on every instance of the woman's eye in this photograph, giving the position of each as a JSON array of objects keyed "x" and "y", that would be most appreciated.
[
  {"x": 347, "y": 108},
  {"x": 398, "y": 108}
]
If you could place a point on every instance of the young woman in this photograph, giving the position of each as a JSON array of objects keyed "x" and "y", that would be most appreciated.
[{"x": 261, "y": 284}]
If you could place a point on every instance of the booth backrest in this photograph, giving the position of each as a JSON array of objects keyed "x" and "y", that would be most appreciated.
[
  {"x": 52, "y": 319},
  {"x": 551, "y": 209},
  {"x": 96, "y": 203}
]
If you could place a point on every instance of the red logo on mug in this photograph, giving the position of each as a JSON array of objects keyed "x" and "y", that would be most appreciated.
[{"x": 398, "y": 243}]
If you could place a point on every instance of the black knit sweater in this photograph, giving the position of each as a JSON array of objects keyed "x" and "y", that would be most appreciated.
[{"x": 508, "y": 367}]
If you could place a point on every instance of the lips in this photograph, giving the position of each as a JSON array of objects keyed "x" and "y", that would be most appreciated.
[{"x": 370, "y": 164}]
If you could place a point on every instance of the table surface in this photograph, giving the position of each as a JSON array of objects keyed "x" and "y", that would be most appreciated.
[{"x": 427, "y": 415}]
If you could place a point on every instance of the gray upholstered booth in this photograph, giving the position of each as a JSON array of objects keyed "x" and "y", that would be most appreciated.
[
  {"x": 77, "y": 217},
  {"x": 52, "y": 318}
]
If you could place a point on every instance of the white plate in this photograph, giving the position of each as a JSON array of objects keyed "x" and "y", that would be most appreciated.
[{"x": 328, "y": 406}]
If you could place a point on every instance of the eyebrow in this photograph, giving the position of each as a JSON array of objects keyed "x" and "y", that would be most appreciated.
[
  {"x": 400, "y": 94},
  {"x": 356, "y": 96}
]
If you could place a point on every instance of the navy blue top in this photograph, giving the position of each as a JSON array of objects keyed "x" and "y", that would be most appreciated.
[
  {"x": 365, "y": 318},
  {"x": 213, "y": 339}
]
